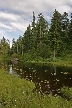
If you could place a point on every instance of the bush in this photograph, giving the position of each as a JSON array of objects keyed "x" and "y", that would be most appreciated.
[
  {"x": 67, "y": 93},
  {"x": 14, "y": 55}
]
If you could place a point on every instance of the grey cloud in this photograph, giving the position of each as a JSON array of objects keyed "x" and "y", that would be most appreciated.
[
  {"x": 17, "y": 14},
  {"x": 29, "y": 5},
  {"x": 64, "y": 8},
  {"x": 9, "y": 16}
]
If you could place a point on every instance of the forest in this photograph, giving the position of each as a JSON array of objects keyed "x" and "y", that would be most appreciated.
[{"x": 42, "y": 40}]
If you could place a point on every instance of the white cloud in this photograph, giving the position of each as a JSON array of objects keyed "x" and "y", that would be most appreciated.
[
  {"x": 64, "y": 8},
  {"x": 27, "y": 6},
  {"x": 15, "y": 15},
  {"x": 9, "y": 16},
  {"x": 12, "y": 22},
  {"x": 1, "y": 34},
  {"x": 19, "y": 25},
  {"x": 5, "y": 26}
]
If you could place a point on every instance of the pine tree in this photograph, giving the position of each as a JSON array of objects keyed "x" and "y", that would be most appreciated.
[
  {"x": 64, "y": 24},
  {"x": 27, "y": 38},
  {"x": 33, "y": 35},
  {"x": 42, "y": 34},
  {"x": 55, "y": 32},
  {"x": 42, "y": 28},
  {"x": 4, "y": 46},
  {"x": 70, "y": 30}
]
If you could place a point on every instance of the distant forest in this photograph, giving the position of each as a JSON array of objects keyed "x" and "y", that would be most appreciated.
[{"x": 41, "y": 39}]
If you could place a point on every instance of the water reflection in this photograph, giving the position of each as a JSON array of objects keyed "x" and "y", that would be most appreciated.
[
  {"x": 10, "y": 70},
  {"x": 48, "y": 79}
]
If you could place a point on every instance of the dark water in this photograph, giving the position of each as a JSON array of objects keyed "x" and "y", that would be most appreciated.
[{"x": 47, "y": 78}]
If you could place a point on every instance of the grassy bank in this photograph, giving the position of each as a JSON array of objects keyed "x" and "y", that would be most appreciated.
[
  {"x": 57, "y": 63},
  {"x": 18, "y": 93},
  {"x": 60, "y": 61}
]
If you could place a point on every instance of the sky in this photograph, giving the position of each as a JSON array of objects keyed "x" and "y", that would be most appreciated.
[{"x": 16, "y": 15}]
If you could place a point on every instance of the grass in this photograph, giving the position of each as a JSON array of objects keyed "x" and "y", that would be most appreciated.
[
  {"x": 18, "y": 93},
  {"x": 57, "y": 63},
  {"x": 62, "y": 63}
]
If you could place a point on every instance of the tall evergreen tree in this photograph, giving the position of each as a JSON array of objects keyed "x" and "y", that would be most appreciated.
[
  {"x": 55, "y": 32},
  {"x": 27, "y": 38},
  {"x": 42, "y": 28},
  {"x": 13, "y": 49},
  {"x": 64, "y": 24},
  {"x": 70, "y": 30},
  {"x": 33, "y": 35},
  {"x": 41, "y": 41},
  {"x": 42, "y": 34}
]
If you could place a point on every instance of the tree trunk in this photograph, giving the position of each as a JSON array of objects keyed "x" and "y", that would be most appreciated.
[
  {"x": 17, "y": 48},
  {"x": 22, "y": 52},
  {"x": 54, "y": 53},
  {"x": 22, "y": 49},
  {"x": 40, "y": 34}
]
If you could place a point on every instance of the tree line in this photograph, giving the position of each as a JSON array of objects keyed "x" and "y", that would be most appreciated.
[
  {"x": 45, "y": 40},
  {"x": 4, "y": 47}
]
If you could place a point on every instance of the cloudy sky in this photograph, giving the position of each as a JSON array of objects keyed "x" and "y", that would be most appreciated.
[{"x": 15, "y": 15}]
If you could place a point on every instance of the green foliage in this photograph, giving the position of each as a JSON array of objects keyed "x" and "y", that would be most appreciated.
[
  {"x": 41, "y": 41},
  {"x": 67, "y": 92},
  {"x": 13, "y": 91},
  {"x": 18, "y": 93},
  {"x": 14, "y": 55},
  {"x": 55, "y": 32},
  {"x": 4, "y": 47}
]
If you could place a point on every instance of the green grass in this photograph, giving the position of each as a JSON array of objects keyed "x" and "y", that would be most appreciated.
[
  {"x": 62, "y": 63},
  {"x": 67, "y": 93},
  {"x": 18, "y": 93},
  {"x": 57, "y": 63}
]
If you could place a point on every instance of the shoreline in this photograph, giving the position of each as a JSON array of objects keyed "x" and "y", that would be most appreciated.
[{"x": 57, "y": 63}]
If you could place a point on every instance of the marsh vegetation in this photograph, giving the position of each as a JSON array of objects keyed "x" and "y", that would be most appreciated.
[{"x": 35, "y": 86}]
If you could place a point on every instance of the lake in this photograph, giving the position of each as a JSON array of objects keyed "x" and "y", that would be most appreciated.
[{"x": 47, "y": 78}]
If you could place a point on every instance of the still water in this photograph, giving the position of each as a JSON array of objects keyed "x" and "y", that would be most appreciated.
[{"x": 47, "y": 78}]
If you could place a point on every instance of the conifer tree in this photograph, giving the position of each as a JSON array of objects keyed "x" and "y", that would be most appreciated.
[
  {"x": 64, "y": 24},
  {"x": 4, "y": 46},
  {"x": 55, "y": 32},
  {"x": 27, "y": 38}
]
